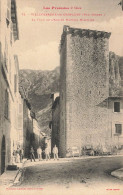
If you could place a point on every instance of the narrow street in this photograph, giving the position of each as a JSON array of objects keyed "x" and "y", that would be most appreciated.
[
  {"x": 61, "y": 94},
  {"x": 78, "y": 173}
]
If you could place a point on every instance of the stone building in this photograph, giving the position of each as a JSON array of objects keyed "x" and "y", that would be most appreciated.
[
  {"x": 28, "y": 128},
  {"x": 8, "y": 82},
  {"x": 55, "y": 124},
  {"x": 20, "y": 120},
  {"x": 91, "y": 113}
]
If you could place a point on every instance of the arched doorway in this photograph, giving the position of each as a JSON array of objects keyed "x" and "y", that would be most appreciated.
[{"x": 3, "y": 154}]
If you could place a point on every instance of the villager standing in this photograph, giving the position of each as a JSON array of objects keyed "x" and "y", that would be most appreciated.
[
  {"x": 55, "y": 152},
  {"x": 21, "y": 154},
  {"x": 39, "y": 152},
  {"x": 14, "y": 157},
  {"x": 32, "y": 156},
  {"x": 18, "y": 155},
  {"x": 47, "y": 153}
]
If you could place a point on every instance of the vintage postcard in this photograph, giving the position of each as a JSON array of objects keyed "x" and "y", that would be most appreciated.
[{"x": 61, "y": 97}]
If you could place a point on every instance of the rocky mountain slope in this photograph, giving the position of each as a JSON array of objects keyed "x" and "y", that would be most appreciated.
[{"x": 39, "y": 85}]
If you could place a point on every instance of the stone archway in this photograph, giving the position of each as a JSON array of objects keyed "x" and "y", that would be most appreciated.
[{"x": 3, "y": 154}]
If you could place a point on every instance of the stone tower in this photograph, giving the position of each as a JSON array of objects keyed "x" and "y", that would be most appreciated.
[{"x": 84, "y": 87}]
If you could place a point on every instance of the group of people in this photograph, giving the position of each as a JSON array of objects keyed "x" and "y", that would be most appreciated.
[
  {"x": 46, "y": 151},
  {"x": 18, "y": 155}
]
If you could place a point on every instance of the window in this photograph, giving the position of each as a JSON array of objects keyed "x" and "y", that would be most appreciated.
[
  {"x": 118, "y": 128},
  {"x": 15, "y": 83},
  {"x": 8, "y": 12},
  {"x": 116, "y": 106},
  {"x": 8, "y": 17},
  {"x": 6, "y": 54},
  {"x": 6, "y": 110},
  {"x": 5, "y": 60}
]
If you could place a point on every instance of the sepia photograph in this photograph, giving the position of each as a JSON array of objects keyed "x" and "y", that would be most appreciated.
[{"x": 61, "y": 97}]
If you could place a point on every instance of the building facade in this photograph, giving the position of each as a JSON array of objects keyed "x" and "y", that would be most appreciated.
[
  {"x": 28, "y": 128},
  {"x": 8, "y": 82},
  {"x": 88, "y": 113},
  {"x": 20, "y": 120}
]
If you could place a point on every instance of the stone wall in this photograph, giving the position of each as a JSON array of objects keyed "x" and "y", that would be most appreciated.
[
  {"x": 63, "y": 58},
  {"x": 9, "y": 97},
  {"x": 5, "y": 126}
]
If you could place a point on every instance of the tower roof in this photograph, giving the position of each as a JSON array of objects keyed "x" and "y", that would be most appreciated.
[{"x": 83, "y": 32}]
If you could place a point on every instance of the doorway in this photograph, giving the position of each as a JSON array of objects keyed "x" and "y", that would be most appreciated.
[{"x": 3, "y": 154}]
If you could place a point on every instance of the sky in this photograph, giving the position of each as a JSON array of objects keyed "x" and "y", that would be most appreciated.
[{"x": 39, "y": 40}]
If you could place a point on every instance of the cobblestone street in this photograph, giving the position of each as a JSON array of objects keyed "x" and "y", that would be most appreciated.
[{"x": 87, "y": 173}]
